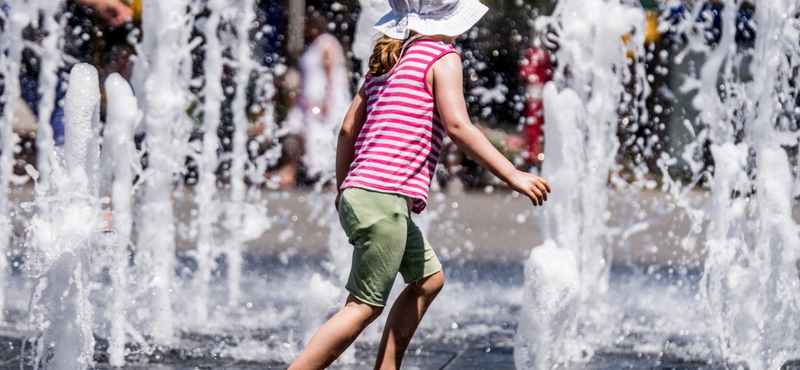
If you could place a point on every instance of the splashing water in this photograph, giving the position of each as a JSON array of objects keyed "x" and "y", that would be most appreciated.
[
  {"x": 749, "y": 290},
  {"x": 69, "y": 244},
  {"x": 121, "y": 119},
  {"x": 61, "y": 246},
  {"x": 751, "y": 275},
  {"x": 581, "y": 123},
  {"x": 105, "y": 221}
]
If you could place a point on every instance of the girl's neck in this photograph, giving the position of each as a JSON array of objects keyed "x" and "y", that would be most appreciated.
[{"x": 442, "y": 38}]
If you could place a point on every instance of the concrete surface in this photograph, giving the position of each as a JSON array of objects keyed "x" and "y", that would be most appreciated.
[
  {"x": 500, "y": 227},
  {"x": 646, "y": 228}
]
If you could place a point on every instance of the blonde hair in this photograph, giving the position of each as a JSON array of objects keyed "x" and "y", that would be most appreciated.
[{"x": 385, "y": 55}]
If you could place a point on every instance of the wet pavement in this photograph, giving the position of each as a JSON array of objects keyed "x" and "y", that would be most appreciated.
[
  {"x": 470, "y": 354},
  {"x": 494, "y": 351},
  {"x": 483, "y": 239}
]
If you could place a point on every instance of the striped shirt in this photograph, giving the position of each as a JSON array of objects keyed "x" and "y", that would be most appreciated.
[{"x": 399, "y": 144}]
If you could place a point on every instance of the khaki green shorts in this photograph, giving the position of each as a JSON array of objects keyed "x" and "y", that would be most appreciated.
[{"x": 386, "y": 242}]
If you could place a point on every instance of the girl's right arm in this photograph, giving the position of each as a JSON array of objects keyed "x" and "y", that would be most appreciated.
[
  {"x": 447, "y": 87},
  {"x": 346, "y": 146}
]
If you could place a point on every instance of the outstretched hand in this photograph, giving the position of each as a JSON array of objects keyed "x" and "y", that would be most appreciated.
[
  {"x": 530, "y": 185},
  {"x": 114, "y": 12}
]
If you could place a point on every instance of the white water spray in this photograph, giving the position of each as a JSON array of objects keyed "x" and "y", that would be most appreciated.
[
  {"x": 160, "y": 80},
  {"x": 69, "y": 183},
  {"x": 750, "y": 283},
  {"x": 551, "y": 298},
  {"x": 366, "y": 34},
  {"x": 582, "y": 119},
  {"x": 59, "y": 250},
  {"x": 207, "y": 191},
  {"x": 235, "y": 207},
  {"x": 10, "y": 61},
  {"x": 51, "y": 61},
  {"x": 121, "y": 119},
  {"x": 750, "y": 276}
]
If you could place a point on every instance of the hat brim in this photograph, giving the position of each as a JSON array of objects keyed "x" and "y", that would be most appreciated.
[{"x": 459, "y": 20}]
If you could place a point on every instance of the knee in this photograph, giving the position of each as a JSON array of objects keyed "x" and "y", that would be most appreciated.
[
  {"x": 376, "y": 312},
  {"x": 368, "y": 312},
  {"x": 429, "y": 286},
  {"x": 369, "y": 315}
]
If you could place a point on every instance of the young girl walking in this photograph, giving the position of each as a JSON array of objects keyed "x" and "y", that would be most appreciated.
[{"x": 387, "y": 151}]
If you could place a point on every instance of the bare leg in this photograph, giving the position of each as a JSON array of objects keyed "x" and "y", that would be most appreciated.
[
  {"x": 336, "y": 335},
  {"x": 293, "y": 148},
  {"x": 404, "y": 318}
]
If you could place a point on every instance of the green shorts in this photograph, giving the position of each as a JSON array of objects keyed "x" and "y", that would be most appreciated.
[{"x": 386, "y": 241}]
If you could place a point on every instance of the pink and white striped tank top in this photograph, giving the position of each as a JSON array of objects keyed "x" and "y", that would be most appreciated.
[{"x": 399, "y": 145}]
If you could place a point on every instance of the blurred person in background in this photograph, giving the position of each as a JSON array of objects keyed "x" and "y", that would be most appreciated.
[
  {"x": 320, "y": 105},
  {"x": 535, "y": 69}
]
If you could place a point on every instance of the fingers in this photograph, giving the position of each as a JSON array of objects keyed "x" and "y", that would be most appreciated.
[
  {"x": 534, "y": 187},
  {"x": 543, "y": 189},
  {"x": 544, "y": 182},
  {"x": 117, "y": 13},
  {"x": 537, "y": 196}
]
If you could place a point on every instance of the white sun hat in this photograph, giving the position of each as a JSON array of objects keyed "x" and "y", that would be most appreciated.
[{"x": 430, "y": 17}]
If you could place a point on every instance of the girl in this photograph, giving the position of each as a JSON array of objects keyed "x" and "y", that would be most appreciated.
[{"x": 387, "y": 151}]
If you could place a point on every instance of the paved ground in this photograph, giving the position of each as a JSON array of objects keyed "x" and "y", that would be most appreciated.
[
  {"x": 455, "y": 355},
  {"x": 496, "y": 226},
  {"x": 475, "y": 225},
  {"x": 466, "y": 354},
  {"x": 469, "y": 227}
]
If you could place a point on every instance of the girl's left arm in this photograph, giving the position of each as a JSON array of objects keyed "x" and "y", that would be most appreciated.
[
  {"x": 345, "y": 147},
  {"x": 448, "y": 91}
]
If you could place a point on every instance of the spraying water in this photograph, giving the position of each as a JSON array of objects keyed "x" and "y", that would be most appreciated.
[
  {"x": 751, "y": 277},
  {"x": 120, "y": 122},
  {"x": 61, "y": 245},
  {"x": 743, "y": 308},
  {"x": 749, "y": 284},
  {"x": 48, "y": 83},
  {"x": 10, "y": 59},
  {"x": 161, "y": 82},
  {"x": 366, "y": 35},
  {"x": 207, "y": 200},
  {"x": 581, "y": 124}
]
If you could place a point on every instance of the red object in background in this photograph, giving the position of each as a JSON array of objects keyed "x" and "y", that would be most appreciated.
[{"x": 535, "y": 69}]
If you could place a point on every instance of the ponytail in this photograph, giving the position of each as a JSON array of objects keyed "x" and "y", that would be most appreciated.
[{"x": 385, "y": 55}]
